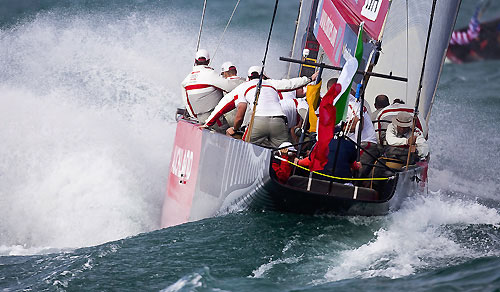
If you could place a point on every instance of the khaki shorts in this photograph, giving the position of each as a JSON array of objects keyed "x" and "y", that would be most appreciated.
[{"x": 269, "y": 131}]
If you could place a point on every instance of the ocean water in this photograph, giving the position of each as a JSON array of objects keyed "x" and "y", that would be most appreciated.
[{"x": 88, "y": 91}]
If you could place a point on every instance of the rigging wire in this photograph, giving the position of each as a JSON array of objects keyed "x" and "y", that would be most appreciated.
[
  {"x": 259, "y": 85},
  {"x": 407, "y": 47},
  {"x": 417, "y": 101},
  {"x": 227, "y": 25},
  {"x": 201, "y": 24}
]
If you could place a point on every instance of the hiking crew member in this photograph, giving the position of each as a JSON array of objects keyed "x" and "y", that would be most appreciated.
[
  {"x": 398, "y": 137},
  {"x": 203, "y": 88},
  {"x": 269, "y": 128},
  {"x": 230, "y": 73}
]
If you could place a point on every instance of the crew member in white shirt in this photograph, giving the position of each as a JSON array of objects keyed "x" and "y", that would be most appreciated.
[
  {"x": 269, "y": 128},
  {"x": 203, "y": 88},
  {"x": 399, "y": 139},
  {"x": 295, "y": 110},
  {"x": 230, "y": 73}
]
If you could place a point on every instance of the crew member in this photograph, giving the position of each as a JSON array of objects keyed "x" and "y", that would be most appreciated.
[
  {"x": 381, "y": 101},
  {"x": 385, "y": 116},
  {"x": 295, "y": 110},
  {"x": 281, "y": 167},
  {"x": 400, "y": 140},
  {"x": 230, "y": 73},
  {"x": 203, "y": 89},
  {"x": 269, "y": 127}
]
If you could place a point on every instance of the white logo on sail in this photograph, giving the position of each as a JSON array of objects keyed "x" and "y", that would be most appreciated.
[
  {"x": 371, "y": 8},
  {"x": 182, "y": 163},
  {"x": 328, "y": 28}
]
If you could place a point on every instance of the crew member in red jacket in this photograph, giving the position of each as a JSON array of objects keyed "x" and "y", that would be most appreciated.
[{"x": 281, "y": 167}]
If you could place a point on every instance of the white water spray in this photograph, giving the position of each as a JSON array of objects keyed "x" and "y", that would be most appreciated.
[
  {"x": 87, "y": 105},
  {"x": 87, "y": 126}
]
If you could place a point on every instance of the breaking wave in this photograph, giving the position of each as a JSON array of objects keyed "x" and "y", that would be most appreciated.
[{"x": 432, "y": 231}]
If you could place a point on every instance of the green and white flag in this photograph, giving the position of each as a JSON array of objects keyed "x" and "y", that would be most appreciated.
[{"x": 345, "y": 79}]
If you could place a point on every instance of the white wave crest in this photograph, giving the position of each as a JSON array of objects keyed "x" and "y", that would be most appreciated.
[{"x": 416, "y": 237}]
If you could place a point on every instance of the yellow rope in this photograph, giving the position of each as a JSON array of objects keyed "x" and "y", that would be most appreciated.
[{"x": 334, "y": 177}]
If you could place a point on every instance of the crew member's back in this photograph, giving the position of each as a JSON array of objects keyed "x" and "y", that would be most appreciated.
[{"x": 203, "y": 88}]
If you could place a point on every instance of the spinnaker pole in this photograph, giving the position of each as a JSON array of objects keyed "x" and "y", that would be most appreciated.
[
  {"x": 259, "y": 85},
  {"x": 337, "y": 68}
]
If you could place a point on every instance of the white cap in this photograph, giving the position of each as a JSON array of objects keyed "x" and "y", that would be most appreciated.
[
  {"x": 227, "y": 65},
  {"x": 289, "y": 145},
  {"x": 254, "y": 69},
  {"x": 202, "y": 53}
]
